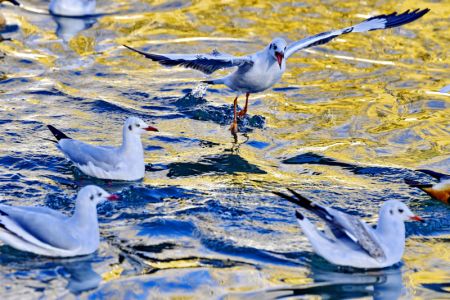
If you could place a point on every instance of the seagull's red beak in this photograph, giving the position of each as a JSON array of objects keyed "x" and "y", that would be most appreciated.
[
  {"x": 417, "y": 218},
  {"x": 280, "y": 57},
  {"x": 113, "y": 197},
  {"x": 150, "y": 128}
]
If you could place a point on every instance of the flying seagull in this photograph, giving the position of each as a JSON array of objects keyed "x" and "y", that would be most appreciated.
[
  {"x": 45, "y": 231},
  {"x": 125, "y": 162},
  {"x": 439, "y": 190},
  {"x": 349, "y": 241},
  {"x": 261, "y": 70}
]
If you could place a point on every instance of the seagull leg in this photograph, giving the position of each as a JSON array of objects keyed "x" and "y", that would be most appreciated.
[
  {"x": 243, "y": 112},
  {"x": 234, "y": 126}
]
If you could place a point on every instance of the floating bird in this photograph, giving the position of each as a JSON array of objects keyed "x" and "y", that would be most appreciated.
[
  {"x": 349, "y": 241},
  {"x": 44, "y": 231},
  {"x": 73, "y": 8},
  {"x": 439, "y": 191},
  {"x": 116, "y": 163},
  {"x": 259, "y": 71}
]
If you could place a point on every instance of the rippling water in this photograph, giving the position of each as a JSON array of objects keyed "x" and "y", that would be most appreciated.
[{"x": 347, "y": 123}]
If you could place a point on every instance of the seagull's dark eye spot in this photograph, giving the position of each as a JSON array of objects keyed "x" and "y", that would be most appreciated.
[
  {"x": 285, "y": 48},
  {"x": 391, "y": 212},
  {"x": 400, "y": 210},
  {"x": 130, "y": 127},
  {"x": 99, "y": 194},
  {"x": 137, "y": 125},
  {"x": 92, "y": 197},
  {"x": 275, "y": 47}
]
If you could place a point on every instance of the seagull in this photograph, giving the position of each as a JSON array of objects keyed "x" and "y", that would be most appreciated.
[
  {"x": 439, "y": 190},
  {"x": 125, "y": 162},
  {"x": 349, "y": 241},
  {"x": 261, "y": 70},
  {"x": 72, "y": 8},
  {"x": 47, "y": 232}
]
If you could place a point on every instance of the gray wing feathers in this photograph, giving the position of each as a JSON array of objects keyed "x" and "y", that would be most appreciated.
[
  {"x": 32, "y": 227},
  {"x": 374, "y": 23},
  {"x": 206, "y": 63},
  {"x": 83, "y": 154},
  {"x": 361, "y": 234}
]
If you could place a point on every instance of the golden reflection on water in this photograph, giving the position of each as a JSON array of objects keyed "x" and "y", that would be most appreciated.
[{"x": 364, "y": 99}]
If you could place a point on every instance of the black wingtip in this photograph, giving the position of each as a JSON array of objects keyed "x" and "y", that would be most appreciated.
[
  {"x": 128, "y": 47},
  {"x": 299, "y": 216},
  {"x": 297, "y": 199},
  {"x": 413, "y": 183},
  {"x": 14, "y": 2},
  {"x": 434, "y": 174},
  {"x": 395, "y": 20},
  {"x": 59, "y": 135}
]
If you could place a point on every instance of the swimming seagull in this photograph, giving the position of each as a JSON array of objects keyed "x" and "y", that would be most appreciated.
[
  {"x": 125, "y": 162},
  {"x": 45, "y": 231},
  {"x": 349, "y": 241},
  {"x": 72, "y": 8},
  {"x": 261, "y": 70},
  {"x": 439, "y": 190}
]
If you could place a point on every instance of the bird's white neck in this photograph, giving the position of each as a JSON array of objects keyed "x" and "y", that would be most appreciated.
[
  {"x": 131, "y": 144},
  {"x": 85, "y": 218},
  {"x": 392, "y": 233}
]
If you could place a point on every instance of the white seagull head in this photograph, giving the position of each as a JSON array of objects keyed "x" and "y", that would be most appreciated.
[
  {"x": 276, "y": 50},
  {"x": 136, "y": 126},
  {"x": 394, "y": 210},
  {"x": 91, "y": 195}
]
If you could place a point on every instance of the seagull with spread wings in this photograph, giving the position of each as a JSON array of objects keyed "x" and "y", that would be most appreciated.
[
  {"x": 261, "y": 70},
  {"x": 349, "y": 241}
]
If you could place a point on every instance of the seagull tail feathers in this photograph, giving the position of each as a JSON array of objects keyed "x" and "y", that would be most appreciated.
[
  {"x": 413, "y": 183},
  {"x": 15, "y": 2},
  {"x": 59, "y": 135},
  {"x": 214, "y": 81},
  {"x": 433, "y": 174},
  {"x": 306, "y": 204}
]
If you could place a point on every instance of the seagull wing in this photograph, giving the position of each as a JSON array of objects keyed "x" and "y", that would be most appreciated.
[
  {"x": 341, "y": 225},
  {"x": 38, "y": 227},
  {"x": 374, "y": 23},
  {"x": 437, "y": 175},
  {"x": 83, "y": 154},
  {"x": 206, "y": 63}
]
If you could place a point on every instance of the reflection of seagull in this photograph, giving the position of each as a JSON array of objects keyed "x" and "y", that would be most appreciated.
[
  {"x": 258, "y": 72},
  {"x": 72, "y": 7},
  {"x": 44, "y": 231},
  {"x": 348, "y": 241},
  {"x": 72, "y": 16},
  {"x": 69, "y": 27},
  {"x": 2, "y": 18},
  {"x": 116, "y": 163},
  {"x": 439, "y": 191}
]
